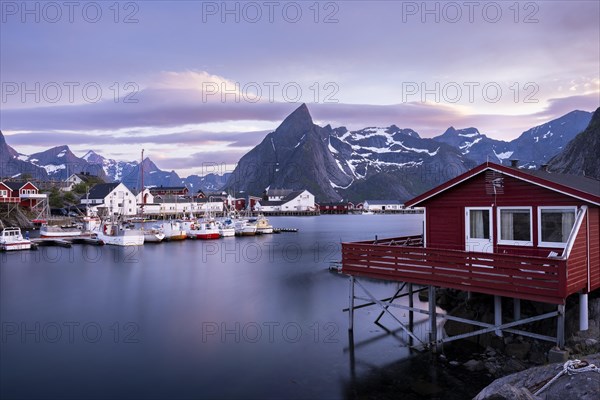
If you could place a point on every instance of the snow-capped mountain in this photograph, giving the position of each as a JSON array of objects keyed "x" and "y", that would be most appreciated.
[
  {"x": 475, "y": 145},
  {"x": 13, "y": 164},
  {"x": 384, "y": 162},
  {"x": 337, "y": 163},
  {"x": 60, "y": 162},
  {"x": 114, "y": 170},
  {"x": 538, "y": 145},
  {"x": 580, "y": 156}
]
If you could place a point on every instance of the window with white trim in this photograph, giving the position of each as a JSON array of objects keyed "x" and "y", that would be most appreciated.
[
  {"x": 515, "y": 226},
  {"x": 3, "y": 193},
  {"x": 555, "y": 225}
]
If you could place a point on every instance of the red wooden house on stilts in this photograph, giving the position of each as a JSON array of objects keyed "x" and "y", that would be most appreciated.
[{"x": 497, "y": 230}]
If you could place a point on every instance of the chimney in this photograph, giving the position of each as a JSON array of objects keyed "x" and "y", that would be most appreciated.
[{"x": 514, "y": 163}]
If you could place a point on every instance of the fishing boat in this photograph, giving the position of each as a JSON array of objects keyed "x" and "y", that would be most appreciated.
[
  {"x": 173, "y": 230},
  {"x": 12, "y": 239},
  {"x": 226, "y": 228},
  {"x": 263, "y": 226},
  {"x": 204, "y": 230},
  {"x": 243, "y": 227},
  {"x": 118, "y": 234},
  {"x": 61, "y": 232},
  {"x": 154, "y": 235}
]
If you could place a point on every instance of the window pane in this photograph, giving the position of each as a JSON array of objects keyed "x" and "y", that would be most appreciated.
[
  {"x": 557, "y": 225},
  {"x": 515, "y": 225},
  {"x": 479, "y": 221}
]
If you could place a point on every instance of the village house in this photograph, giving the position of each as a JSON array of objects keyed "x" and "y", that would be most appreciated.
[
  {"x": 382, "y": 205},
  {"x": 286, "y": 201},
  {"x": 26, "y": 194},
  {"x": 495, "y": 230},
  {"x": 334, "y": 208},
  {"x": 112, "y": 198},
  {"x": 76, "y": 179}
]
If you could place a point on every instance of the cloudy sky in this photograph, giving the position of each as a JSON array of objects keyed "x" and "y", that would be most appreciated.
[{"x": 200, "y": 83}]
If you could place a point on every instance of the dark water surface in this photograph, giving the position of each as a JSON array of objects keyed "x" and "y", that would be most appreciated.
[{"x": 252, "y": 317}]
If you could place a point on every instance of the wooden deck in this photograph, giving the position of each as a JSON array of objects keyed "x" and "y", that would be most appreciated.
[{"x": 405, "y": 259}]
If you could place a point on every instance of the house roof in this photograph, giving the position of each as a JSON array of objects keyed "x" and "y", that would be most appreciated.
[
  {"x": 279, "y": 192},
  {"x": 168, "y": 188},
  {"x": 383, "y": 202},
  {"x": 101, "y": 190},
  {"x": 579, "y": 187},
  {"x": 17, "y": 185},
  {"x": 291, "y": 196}
]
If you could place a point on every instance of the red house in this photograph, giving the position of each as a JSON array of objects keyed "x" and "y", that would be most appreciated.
[
  {"x": 24, "y": 193},
  {"x": 497, "y": 230},
  {"x": 333, "y": 208}
]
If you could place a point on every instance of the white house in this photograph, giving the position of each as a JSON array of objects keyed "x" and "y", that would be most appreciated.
[
  {"x": 115, "y": 198},
  {"x": 300, "y": 200},
  {"x": 382, "y": 205},
  {"x": 76, "y": 179}
]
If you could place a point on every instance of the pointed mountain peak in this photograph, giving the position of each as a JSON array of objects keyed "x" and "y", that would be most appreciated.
[
  {"x": 300, "y": 119},
  {"x": 92, "y": 157},
  {"x": 450, "y": 131}
]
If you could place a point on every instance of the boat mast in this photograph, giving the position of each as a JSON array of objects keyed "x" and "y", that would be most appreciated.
[{"x": 142, "y": 183}]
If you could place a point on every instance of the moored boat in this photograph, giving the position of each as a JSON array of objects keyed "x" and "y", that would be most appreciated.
[
  {"x": 12, "y": 239},
  {"x": 226, "y": 228},
  {"x": 117, "y": 234},
  {"x": 154, "y": 234},
  {"x": 173, "y": 230},
  {"x": 58, "y": 232},
  {"x": 263, "y": 226},
  {"x": 244, "y": 227},
  {"x": 204, "y": 231}
]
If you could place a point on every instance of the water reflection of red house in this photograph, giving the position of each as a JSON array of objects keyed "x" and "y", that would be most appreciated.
[{"x": 507, "y": 232}]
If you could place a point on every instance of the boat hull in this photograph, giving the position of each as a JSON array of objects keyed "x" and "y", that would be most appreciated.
[
  {"x": 205, "y": 236},
  {"x": 131, "y": 240},
  {"x": 24, "y": 245}
]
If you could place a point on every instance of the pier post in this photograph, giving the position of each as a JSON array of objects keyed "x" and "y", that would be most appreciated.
[
  {"x": 410, "y": 312},
  {"x": 498, "y": 314},
  {"x": 517, "y": 309},
  {"x": 432, "y": 318},
  {"x": 583, "y": 312},
  {"x": 560, "y": 327},
  {"x": 351, "y": 305}
]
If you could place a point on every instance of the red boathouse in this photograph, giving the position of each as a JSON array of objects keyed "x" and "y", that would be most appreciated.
[{"x": 496, "y": 230}]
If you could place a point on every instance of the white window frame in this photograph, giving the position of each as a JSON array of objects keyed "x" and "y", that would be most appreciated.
[
  {"x": 499, "y": 227},
  {"x": 3, "y": 193},
  {"x": 539, "y": 225}
]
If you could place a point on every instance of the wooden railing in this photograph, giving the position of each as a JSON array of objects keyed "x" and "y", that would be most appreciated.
[
  {"x": 525, "y": 277},
  {"x": 9, "y": 200}
]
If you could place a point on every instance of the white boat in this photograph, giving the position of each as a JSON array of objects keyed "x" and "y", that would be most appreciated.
[
  {"x": 368, "y": 213},
  {"x": 117, "y": 234},
  {"x": 154, "y": 234},
  {"x": 263, "y": 226},
  {"x": 244, "y": 227},
  {"x": 173, "y": 230},
  {"x": 12, "y": 239},
  {"x": 226, "y": 228},
  {"x": 56, "y": 232}
]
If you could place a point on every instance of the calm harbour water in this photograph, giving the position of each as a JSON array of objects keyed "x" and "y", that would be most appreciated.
[{"x": 251, "y": 317}]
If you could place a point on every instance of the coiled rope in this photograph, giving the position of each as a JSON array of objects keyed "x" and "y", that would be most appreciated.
[{"x": 571, "y": 367}]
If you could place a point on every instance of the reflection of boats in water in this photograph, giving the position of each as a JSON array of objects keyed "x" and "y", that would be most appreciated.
[
  {"x": 154, "y": 234},
  {"x": 118, "y": 234},
  {"x": 12, "y": 239},
  {"x": 55, "y": 232}
]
